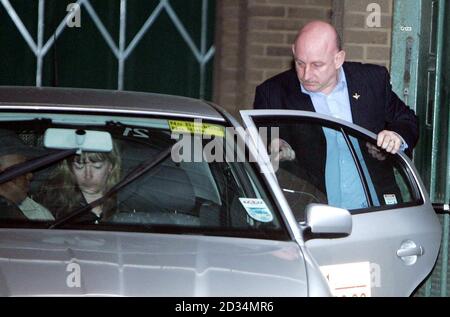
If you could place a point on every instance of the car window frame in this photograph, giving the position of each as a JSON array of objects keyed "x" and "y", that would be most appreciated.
[
  {"x": 348, "y": 130},
  {"x": 401, "y": 163},
  {"x": 282, "y": 234}
]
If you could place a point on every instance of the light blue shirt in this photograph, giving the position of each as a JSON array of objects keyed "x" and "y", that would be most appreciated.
[{"x": 343, "y": 184}]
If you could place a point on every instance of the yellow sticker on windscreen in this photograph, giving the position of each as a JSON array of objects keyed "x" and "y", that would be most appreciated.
[{"x": 196, "y": 128}]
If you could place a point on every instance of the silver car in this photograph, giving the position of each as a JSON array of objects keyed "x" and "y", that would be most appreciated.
[{"x": 134, "y": 194}]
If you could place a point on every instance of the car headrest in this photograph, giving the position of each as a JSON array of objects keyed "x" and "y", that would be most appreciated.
[{"x": 166, "y": 188}]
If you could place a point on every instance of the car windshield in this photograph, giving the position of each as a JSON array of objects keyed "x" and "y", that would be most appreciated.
[{"x": 158, "y": 174}]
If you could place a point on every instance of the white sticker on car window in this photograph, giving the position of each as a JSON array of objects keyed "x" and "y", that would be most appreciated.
[
  {"x": 257, "y": 209},
  {"x": 390, "y": 199},
  {"x": 349, "y": 279}
]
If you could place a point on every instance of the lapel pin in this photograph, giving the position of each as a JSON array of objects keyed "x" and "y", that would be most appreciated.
[{"x": 356, "y": 96}]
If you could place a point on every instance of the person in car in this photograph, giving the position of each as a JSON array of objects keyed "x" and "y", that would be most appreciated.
[
  {"x": 16, "y": 203},
  {"x": 80, "y": 180}
]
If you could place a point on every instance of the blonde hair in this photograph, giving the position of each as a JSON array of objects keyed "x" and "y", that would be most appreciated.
[
  {"x": 62, "y": 195},
  {"x": 112, "y": 157}
]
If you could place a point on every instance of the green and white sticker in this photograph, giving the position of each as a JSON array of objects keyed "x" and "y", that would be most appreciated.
[
  {"x": 257, "y": 209},
  {"x": 390, "y": 199}
]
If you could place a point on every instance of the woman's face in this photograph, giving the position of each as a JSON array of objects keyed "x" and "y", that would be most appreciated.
[{"x": 91, "y": 177}]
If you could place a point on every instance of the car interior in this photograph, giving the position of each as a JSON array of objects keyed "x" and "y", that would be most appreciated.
[{"x": 185, "y": 193}]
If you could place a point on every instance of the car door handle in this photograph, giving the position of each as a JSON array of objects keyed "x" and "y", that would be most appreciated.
[{"x": 410, "y": 251}]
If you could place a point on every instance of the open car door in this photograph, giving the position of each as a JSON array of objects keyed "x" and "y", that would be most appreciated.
[{"x": 396, "y": 234}]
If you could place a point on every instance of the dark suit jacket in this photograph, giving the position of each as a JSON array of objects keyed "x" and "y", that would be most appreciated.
[{"x": 378, "y": 108}]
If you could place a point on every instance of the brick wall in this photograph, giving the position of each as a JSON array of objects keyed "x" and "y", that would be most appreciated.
[
  {"x": 228, "y": 50},
  {"x": 254, "y": 38},
  {"x": 363, "y": 43}
]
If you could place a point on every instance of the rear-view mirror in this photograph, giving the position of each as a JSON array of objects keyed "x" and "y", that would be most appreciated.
[{"x": 82, "y": 140}]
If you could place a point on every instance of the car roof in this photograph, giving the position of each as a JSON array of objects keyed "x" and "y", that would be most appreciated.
[{"x": 114, "y": 101}]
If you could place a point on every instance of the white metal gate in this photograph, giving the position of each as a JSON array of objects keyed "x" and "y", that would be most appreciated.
[{"x": 202, "y": 54}]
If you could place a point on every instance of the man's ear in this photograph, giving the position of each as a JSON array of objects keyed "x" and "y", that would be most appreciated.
[{"x": 339, "y": 59}]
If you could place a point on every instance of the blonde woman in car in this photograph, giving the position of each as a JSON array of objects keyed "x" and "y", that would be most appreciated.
[{"x": 80, "y": 180}]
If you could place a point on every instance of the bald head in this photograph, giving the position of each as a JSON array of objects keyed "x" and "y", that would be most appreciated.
[
  {"x": 322, "y": 31},
  {"x": 318, "y": 56}
]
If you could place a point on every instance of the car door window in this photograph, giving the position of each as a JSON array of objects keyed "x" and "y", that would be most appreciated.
[
  {"x": 338, "y": 166},
  {"x": 387, "y": 178},
  {"x": 323, "y": 170}
]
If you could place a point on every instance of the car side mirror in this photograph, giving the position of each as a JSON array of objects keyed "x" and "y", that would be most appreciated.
[{"x": 328, "y": 221}]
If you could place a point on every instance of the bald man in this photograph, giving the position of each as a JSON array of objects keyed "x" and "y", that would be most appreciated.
[{"x": 323, "y": 82}]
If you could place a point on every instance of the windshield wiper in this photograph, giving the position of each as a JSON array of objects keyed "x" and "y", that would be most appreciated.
[
  {"x": 33, "y": 164},
  {"x": 138, "y": 171}
]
